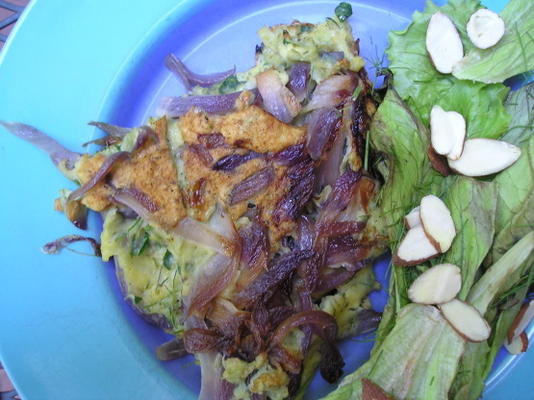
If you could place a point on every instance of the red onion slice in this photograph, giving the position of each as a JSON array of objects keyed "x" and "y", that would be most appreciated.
[
  {"x": 201, "y": 233},
  {"x": 211, "y": 140},
  {"x": 321, "y": 321},
  {"x": 56, "y": 151},
  {"x": 263, "y": 286},
  {"x": 290, "y": 155},
  {"x": 277, "y": 99},
  {"x": 137, "y": 201},
  {"x": 102, "y": 172},
  {"x": 332, "y": 91},
  {"x": 111, "y": 129},
  {"x": 299, "y": 77},
  {"x": 171, "y": 350},
  {"x": 302, "y": 179},
  {"x": 216, "y": 104},
  {"x": 339, "y": 198},
  {"x": 323, "y": 126},
  {"x": 232, "y": 161},
  {"x": 198, "y": 340},
  {"x": 329, "y": 281},
  {"x": 189, "y": 78},
  {"x": 252, "y": 186},
  {"x": 202, "y": 153},
  {"x": 59, "y": 244}
]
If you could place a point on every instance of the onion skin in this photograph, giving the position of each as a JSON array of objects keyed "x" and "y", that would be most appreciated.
[
  {"x": 323, "y": 126},
  {"x": 252, "y": 186},
  {"x": 191, "y": 79},
  {"x": 299, "y": 80}
]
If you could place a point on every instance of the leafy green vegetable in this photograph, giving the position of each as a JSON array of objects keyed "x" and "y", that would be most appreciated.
[
  {"x": 477, "y": 361},
  {"x": 422, "y": 86},
  {"x": 139, "y": 242},
  {"x": 343, "y": 11},
  {"x": 229, "y": 85},
  {"x": 515, "y": 204},
  {"x": 403, "y": 140},
  {"x": 511, "y": 56},
  {"x": 407, "y": 370},
  {"x": 472, "y": 204}
]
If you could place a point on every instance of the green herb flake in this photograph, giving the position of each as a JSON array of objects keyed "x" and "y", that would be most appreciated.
[
  {"x": 139, "y": 243},
  {"x": 229, "y": 85},
  {"x": 168, "y": 260},
  {"x": 137, "y": 299},
  {"x": 343, "y": 11}
]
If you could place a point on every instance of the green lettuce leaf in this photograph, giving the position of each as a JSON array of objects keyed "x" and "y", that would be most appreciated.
[
  {"x": 426, "y": 371},
  {"x": 505, "y": 282},
  {"x": 513, "y": 55},
  {"x": 422, "y": 86},
  {"x": 515, "y": 204}
]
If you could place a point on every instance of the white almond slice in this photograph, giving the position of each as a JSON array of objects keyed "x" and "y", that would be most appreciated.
[
  {"x": 465, "y": 320},
  {"x": 436, "y": 285},
  {"x": 457, "y": 132},
  {"x": 437, "y": 222},
  {"x": 518, "y": 345},
  {"x": 415, "y": 248},
  {"x": 443, "y": 43},
  {"x": 485, "y": 28},
  {"x": 412, "y": 219},
  {"x": 521, "y": 321},
  {"x": 447, "y": 132},
  {"x": 481, "y": 157}
]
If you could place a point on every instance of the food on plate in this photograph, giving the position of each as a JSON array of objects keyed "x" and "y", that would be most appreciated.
[
  {"x": 466, "y": 320},
  {"x": 485, "y": 28},
  {"x": 447, "y": 132},
  {"x": 244, "y": 219},
  {"x": 438, "y": 284},
  {"x": 481, "y": 157},
  {"x": 443, "y": 43}
]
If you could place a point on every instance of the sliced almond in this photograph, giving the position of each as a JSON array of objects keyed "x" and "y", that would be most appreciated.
[
  {"x": 412, "y": 219},
  {"x": 485, "y": 28},
  {"x": 436, "y": 285},
  {"x": 447, "y": 132},
  {"x": 482, "y": 157},
  {"x": 414, "y": 248},
  {"x": 522, "y": 320},
  {"x": 371, "y": 391},
  {"x": 437, "y": 222},
  {"x": 443, "y": 43},
  {"x": 438, "y": 162},
  {"x": 518, "y": 345},
  {"x": 465, "y": 320}
]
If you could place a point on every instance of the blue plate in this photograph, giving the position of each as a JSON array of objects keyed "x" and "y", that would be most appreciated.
[{"x": 65, "y": 333}]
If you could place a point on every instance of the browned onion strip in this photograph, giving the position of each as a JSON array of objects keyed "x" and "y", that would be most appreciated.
[
  {"x": 202, "y": 153},
  {"x": 59, "y": 244},
  {"x": 190, "y": 78},
  {"x": 262, "y": 287},
  {"x": 339, "y": 198},
  {"x": 299, "y": 76},
  {"x": 102, "y": 172},
  {"x": 321, "y": 321},
  {"x": 277, "y": 99},
  {"x": 332, "y": 91},
  {"x": 197, "y": 340},
  {"x": 252, "y": 185},
  {"x": 203, "y": 234},
  {"x": 323, "y": 126},
  {"x": 341, "y": 228}
]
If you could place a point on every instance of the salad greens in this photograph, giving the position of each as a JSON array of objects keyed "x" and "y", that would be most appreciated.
[
  {"x": 503, "y": 61},
  {"x": 494, "y": 219},
  {"x": 515, "y": 211},
  {"x": 422, "y": 86}
]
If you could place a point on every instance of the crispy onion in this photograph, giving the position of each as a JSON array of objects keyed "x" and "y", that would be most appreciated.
[
  {"x": 299, "y": 79},
  {"x": 56, "y": 151},
  {"x": 323, "y": 126},
  {"x": 215, "y": 104},
  {"x": 59, "y": 244},
  {"x": 331, "y": 92},
  {"x": 102, "y": 172},
  {"x": 252, "y": 185},
  {"x": 191, "y": 79},
  {"x": 277, "y": 99}
]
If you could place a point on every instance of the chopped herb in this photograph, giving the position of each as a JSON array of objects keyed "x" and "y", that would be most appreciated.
[
  {"x": 139, "y": 243},
  {"x": 332, "y": 20},
  {"x": 343, "y": 11},
  {"x": 137, "y": 299},
  {"x": 168, "y": 260},
  {"x": 229, "y": 85}
]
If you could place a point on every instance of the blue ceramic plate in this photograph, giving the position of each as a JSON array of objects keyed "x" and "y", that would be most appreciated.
[{"x": 65, "y": 332}]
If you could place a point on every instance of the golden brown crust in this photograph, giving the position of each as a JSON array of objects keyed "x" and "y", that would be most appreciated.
[
  {"x": 250, "y": 128},
  {"x": 150, "y": 169}
]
